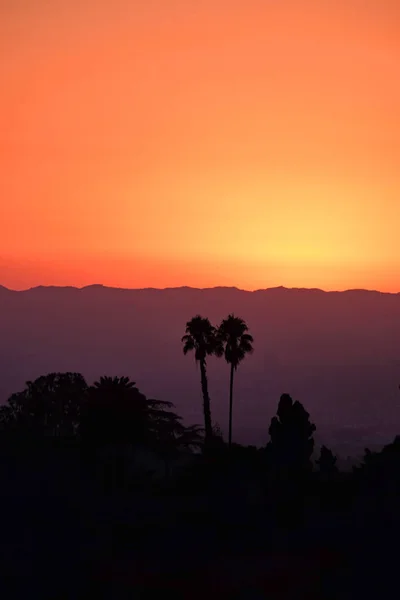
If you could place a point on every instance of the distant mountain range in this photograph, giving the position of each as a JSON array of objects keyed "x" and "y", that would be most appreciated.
[{"x": 336, "y": 352}]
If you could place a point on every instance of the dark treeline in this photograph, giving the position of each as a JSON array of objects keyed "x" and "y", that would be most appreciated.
[{"x": 107, "y": 491}]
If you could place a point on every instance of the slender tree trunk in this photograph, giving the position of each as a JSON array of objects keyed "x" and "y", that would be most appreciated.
[
  {"x": 206, "y": 401},
  {"x": 230, "y": 407}
]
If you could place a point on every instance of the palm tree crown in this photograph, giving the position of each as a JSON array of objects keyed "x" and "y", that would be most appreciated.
[
  {"x": 114, "y": 383},
  {"x": 201, "y": 337},
  {"x": 237, "y": 342}
]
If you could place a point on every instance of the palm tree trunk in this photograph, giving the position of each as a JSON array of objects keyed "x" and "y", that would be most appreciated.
[
  {"x": 206, "y": 401},
  {"x": 230, "y": 407}
]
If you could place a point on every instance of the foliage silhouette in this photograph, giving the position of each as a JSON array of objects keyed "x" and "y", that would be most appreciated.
[
  {"x": 237, "y": 343},
  {"x": 380, "y": 471},
  {"x": 327, "y": 462},
  {"x": 174, "y": 439},
  {"x": 51, "y": 406},
  {"x": 214, "y": 505},
  {"x": 291, "y": 444},
  {"x": 201, "y": 337},
  {"x": 115, "y": 412}
]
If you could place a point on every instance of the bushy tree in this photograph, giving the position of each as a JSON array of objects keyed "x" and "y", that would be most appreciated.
[
  {"x": 377, "y": 467},
  {"x": 50, "y": 405},
  {"x": 115, "y": 412},
  {"x": 292, "y": 442},
  {"x": 327, "y": 462}
]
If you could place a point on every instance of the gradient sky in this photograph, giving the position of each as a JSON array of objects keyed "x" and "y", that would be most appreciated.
[{"x": 184, "y": 142}]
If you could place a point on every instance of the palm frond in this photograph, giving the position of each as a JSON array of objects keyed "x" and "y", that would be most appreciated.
[
  {"x": 201, "y": 336},
  {"x": 232, "y": 333},
  {"x": 159, "y": 403}
]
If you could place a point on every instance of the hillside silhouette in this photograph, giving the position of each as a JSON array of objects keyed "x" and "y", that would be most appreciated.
[
  {"x": 107, "y": 493},
  {"x": 337, "y": 349}
]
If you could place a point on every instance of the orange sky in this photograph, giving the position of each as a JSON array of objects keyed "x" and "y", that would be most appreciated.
[{"x": 184, "y": 142}]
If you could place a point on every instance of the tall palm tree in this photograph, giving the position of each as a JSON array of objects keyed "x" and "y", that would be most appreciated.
[
  {"x": 201, "y": 337},
  {"x": 237, "y": 343}
]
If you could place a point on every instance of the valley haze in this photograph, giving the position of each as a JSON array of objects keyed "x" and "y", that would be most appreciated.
[{"x": 336, "y": 352}]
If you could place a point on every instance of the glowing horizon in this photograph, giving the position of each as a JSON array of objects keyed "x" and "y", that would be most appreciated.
[
  {"x": 114, "y": 287},
  {"x": 252, "y": 145}
]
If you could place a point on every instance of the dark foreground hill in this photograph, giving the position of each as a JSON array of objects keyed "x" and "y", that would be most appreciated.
[{"x": 337, "y": 352}]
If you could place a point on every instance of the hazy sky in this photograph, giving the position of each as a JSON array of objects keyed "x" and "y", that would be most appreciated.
[{"x": 185, "y": 142}]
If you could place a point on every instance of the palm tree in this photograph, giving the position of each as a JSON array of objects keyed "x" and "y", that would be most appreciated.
[
  {"x": 232, "y": 333},
  {"x": 201, "y": 337},
  {"x": 116, "y": 412}
]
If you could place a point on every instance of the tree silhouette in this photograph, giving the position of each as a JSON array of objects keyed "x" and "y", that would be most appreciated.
[
  {"x": 117, "y": 421},
  {"x": 173, "y": 438},
  {"x": 201, "y": 337},
  {"x": 378, "y": 467},
  {"x": 168, "y": 430},
  {"x": 116, "y": 412},
  {"x": 291, "y": 444},
  {"x": 50, "y": 405},
  {"x": 237, "y": 343},
  {"x": 327, "y": 462}
]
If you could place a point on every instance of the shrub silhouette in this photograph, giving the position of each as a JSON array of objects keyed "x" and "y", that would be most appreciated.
[{"x": 327, "y": 462}]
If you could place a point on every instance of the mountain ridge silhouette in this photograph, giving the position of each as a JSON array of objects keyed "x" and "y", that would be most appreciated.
[
  {"x": 282, "y": 288},
  {"x": 337, "y": 352}
]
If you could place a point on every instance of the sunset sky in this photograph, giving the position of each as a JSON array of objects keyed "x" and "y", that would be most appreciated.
[{"x": 160, "y": 143}]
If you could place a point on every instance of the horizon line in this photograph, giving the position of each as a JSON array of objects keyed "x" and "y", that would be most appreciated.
[{"x": 188, "y": 287}]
